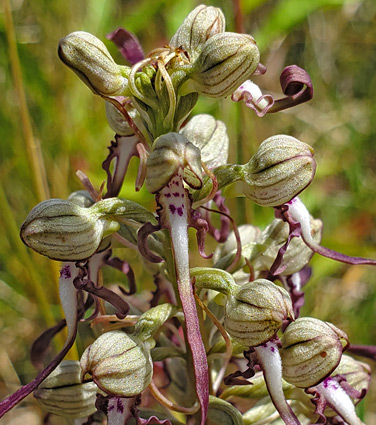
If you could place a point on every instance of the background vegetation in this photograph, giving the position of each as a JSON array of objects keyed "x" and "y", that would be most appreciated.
[{"x": 63, "y": 128}]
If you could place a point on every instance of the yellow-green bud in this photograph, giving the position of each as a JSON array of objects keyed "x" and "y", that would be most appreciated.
[
  {"x": 280, "y": 169},
  {"x": 210, "y": 136},
  {"x": 201, "y": 24},
  {"x": 173, "y": 151},
  {"x": 255, "y": 312},
  {"x": 311, "y": 350},
  {"x": 63, "y": 394},
  {"x": 226, "y": 60},
  {"x": 120, "y": 364},
  {"x": 62, "y": 230},
  {"x": 89, "y": 58}
]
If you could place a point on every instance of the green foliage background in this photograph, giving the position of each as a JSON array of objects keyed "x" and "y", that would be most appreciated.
[{"x": 334, "y": 40}]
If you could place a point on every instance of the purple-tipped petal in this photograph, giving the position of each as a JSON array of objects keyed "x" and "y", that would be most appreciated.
[
  {"x": 125, "y": 268},
  {"x": 121, "y": 152},
  {"x": 253, "y": 98},
  {"x": 128, "y": 45},
  {"x": 297, "y": 87},
  {"x": 202, "y": 227},
  {"x": 142, "y": 243},
  {"x": 296, "y": 212},
  {"x": 121, "y": 305},
  {"x": 42, "y": 344}
]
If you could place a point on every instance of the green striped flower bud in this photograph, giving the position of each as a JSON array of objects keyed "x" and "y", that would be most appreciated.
[
  {"x": 201, "y": 24},
  {"x": 120, "y": 364},
  {"x": 226, "y": 60},
  {"x": 311, "y": 350},
  {"x": 62, "y": 230},
  {"x": 63, "y": 394},
  {"x": 89, "y": 58},
  {"x": 173, "y": 151},
  {"x": 210, "y": 136},
  {"x": 280, "y": 169},
  {"x": 255, "y": 312}
]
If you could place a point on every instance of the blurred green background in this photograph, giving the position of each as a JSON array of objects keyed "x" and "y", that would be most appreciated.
[{"x": 64, "y": 129}]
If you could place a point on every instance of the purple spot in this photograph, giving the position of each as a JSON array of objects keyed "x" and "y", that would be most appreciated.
[
  {"x": 168, "y": 195},
  {"x": 176, "y": 194},
  {"x": 180, "y": 211},
  {"x": 272, "y": 349},
  {"x": 65, "y": 272},
  {"x": 172, "y": 209},
  {"x": 182, "y": 195},
  {"x": 120, "y": 407}
]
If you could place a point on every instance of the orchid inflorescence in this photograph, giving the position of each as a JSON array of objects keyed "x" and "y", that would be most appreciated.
[{"x": 229, "y": 330}]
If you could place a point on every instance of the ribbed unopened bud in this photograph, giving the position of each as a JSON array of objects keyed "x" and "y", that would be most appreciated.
[
  {"x": 172, "y": 152},
  {"x": 62, "y": 230},
  {"x": 280, "y": 169},
  {"x": 255, "y": 313},
  {"x": 63, "y": 393},
  {"x": 226, "y": 60},
  {"x": 89, "y": 58},
  {"x": 120, "y": 364},
  {"x": 201, "y": 24},
  {"x": 210, "y": 136},
  {"x": 311, "y": 350}
]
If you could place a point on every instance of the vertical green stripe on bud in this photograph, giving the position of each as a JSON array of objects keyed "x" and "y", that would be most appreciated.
[
  {"x": 280, "y": 169},
  {"x": 227, "y": 59},
  {"x": 89, "y": 58}
]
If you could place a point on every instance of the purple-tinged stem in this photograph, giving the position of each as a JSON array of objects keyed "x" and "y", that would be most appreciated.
[
  {"x": 300, "y": 214},
  {"x": 68, "y": 298},
  {"x": 271, "y": 364}
]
